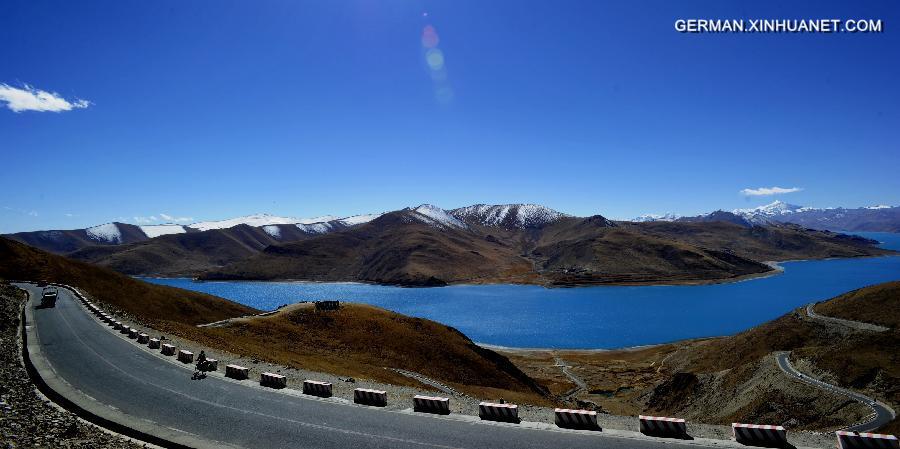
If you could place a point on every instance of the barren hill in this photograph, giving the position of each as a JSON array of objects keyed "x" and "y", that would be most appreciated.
[
  {"x": 361, "y": 341},
  {"x": 431, "y": 247}
]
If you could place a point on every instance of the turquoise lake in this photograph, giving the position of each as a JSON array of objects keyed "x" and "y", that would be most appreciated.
[{"x": 588, "y": 317}]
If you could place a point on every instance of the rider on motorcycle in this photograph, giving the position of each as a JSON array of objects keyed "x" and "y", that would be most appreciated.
[{"x": 201, "y": 361}]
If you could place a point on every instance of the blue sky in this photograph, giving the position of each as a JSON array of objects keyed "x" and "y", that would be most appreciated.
[{"x": 215, "y": 109}]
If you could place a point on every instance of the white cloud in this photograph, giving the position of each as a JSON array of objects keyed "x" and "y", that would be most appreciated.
[
  {"x": 175, "y": 219},
  {"x": 33, "y": 213},
  {"x": 766, "y": 191},
  {"x": 30, "y": 99},
  {"x": 149, "y": 219}
]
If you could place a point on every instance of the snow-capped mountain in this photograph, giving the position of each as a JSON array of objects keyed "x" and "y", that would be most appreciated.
[
  {"x": 513, "y": 216},
  {"x": 257, "y": 220},
  {"x": 772, "y": 209},
  {"x": 152, "y": 231},
  {"x": 877, "y": 218},
  {"x": 322, "y": 227},
  {"x": 435, "y": 216},
  {"x": 668, "y": 216},
  {"x": 105, "y": 233},
  {"x": 358, "y": 219}
]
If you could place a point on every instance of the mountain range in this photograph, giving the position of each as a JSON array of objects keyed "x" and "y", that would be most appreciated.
[
  {"x": 430, "y": 246},
  {"x": 878, "y": 218}
]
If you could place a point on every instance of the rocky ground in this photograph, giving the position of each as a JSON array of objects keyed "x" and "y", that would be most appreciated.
[{"x": 27, "y": 419}]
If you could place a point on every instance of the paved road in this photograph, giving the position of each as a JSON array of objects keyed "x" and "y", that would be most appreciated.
[
  {"x": 429, "y": 381},
  {"x": 579, "y": 383},
  {"x": 883, "y": 413},
  {"x": 142, "y": 388},
  {"x": 858, "y": 325}
]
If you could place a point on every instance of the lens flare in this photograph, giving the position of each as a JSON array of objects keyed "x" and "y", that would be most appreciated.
[
  {"x": 444, "y": 95},
  {"x": 435, "y": 59},
  {"x": 430, "y": 37}
]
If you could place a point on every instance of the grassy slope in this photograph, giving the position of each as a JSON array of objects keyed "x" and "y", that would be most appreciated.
[
  {"x": 361, "y": 341},
  {"x": 153, "y": 303},
  {"x": 877, "y": 304}
]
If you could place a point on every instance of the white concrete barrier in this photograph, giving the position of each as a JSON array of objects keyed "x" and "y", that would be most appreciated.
[
  {"x": 759, "y": 435},
  {"x": 854, "y": 440},
  {"x": 133, "y": 333},
  {"x": 185, "y": 356},
  {"x": 168, "y": 349},
  {"x": 316, "y": 388},
  {"x": 431, "y": 404},
  {"x": 116, "y": 325},
  {"x": 366, "y": 396},
  {"x": 576, "y": 419},
  {"x": 272, "y": 380},
  {"x": 143, "y": 338},
  {"x": 662, "y": 426},
  {"x": 153, "y": 343},
  {"x": 211, "y": 365},
  {"x": 491, "y": 411},
  {"x": 125, "y": 330},
  {"x": 237, "y": 372}
]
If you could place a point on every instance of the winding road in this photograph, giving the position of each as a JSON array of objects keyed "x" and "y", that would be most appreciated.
[
  {"x": 883, "y": 414},
  {"x": 115, "y": 381},
  {"x": 858, "y": 325}
]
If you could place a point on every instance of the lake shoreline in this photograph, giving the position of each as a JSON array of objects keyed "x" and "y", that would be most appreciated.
[
  {"x": 521, "y": 317},
  {"x": 775, "y": 265}
]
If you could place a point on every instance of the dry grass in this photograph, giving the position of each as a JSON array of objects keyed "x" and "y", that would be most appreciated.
[
  {"x": 878, "y": 304},
  {"x": 153, "y": 303},
  {"x": 615, "y": 380},
  {"x": 361, "y": 341}
]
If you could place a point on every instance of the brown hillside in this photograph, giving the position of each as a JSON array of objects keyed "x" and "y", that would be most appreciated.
[
  {"x": 763, "y": 243},
  {"x": 65, "y": 241},
  {"x": 399, "y": 248},
  {"x": 361, "y": 341},
  {"x": 179, "y": 254},
  {"x": 877, "y": 304},
  {"x": 609, "y": 255},
  {"x": 153, "y": 303},
  {"x": 390, "y": 249},
  {"x": 861, "y": 360}
]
